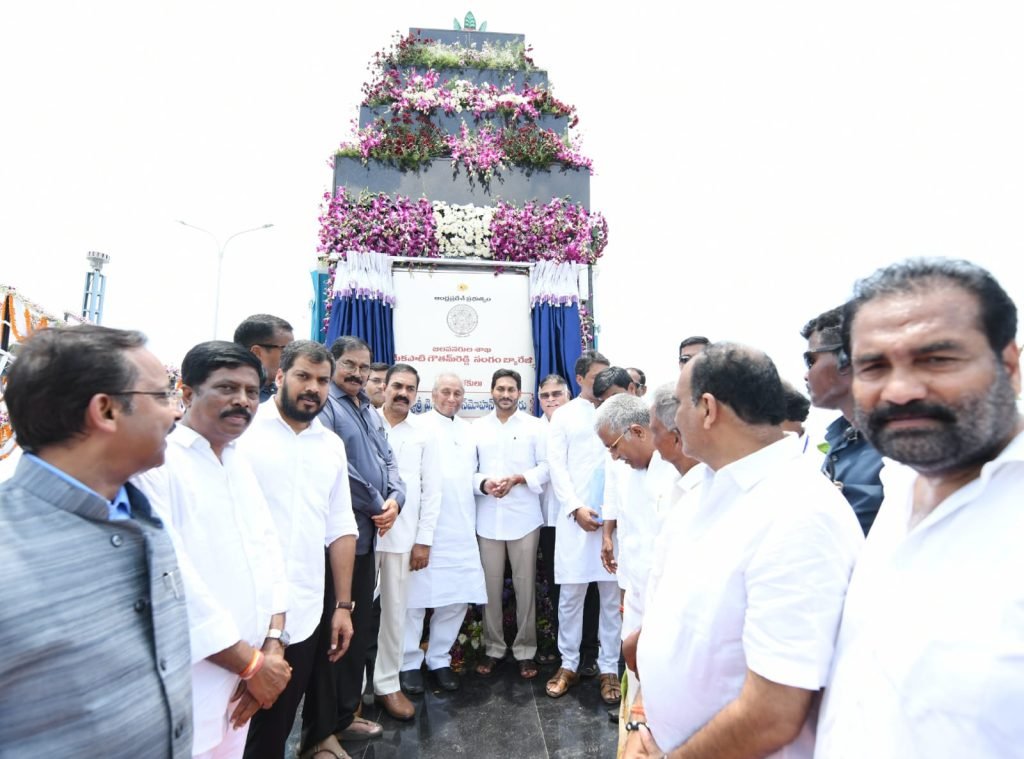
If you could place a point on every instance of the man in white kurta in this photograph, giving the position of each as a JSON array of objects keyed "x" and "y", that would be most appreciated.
[
  {"x": 930, "y": 656},
  {"x": 738, "y": 635},
  {"x": 207, "y": 491},
  {"x": 511, "y": 448},
  {"x": 302, "y": 470},
  {"x": 454, "y": 577},
  {"x": 576, "y": 458},
  {"x": 406, "y": 547}
]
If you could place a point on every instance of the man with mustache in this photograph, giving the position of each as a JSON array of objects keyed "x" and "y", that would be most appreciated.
[
  {"x": 207, "y": 491},
  {"x": 406, "y": 547},
  {"x": 335, "y": 692},
  {"x": 929, "y": 658},
  {"x": 302, "y": 469},
  {"x": 851, "y": 462}
]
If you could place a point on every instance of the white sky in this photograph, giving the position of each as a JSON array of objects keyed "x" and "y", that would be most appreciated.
[{"x": 752, "y": 158}]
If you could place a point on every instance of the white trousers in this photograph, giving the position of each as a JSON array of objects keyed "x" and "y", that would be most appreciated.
[
  {"x": 570, "y": 625},
  {"x": 522, "y": 556},
  {"x": 444, "y": 629},
  {"x": 233, "y": 744},
  {"x": 393, "y": 586}
]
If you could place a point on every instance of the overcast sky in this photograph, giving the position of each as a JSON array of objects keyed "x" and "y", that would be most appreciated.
[{"x": 752, "y": 158}]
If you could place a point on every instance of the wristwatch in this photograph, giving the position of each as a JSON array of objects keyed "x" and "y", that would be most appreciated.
[
  {"x": 348, "y": 605},
  {"x": 281, "y": 636}
]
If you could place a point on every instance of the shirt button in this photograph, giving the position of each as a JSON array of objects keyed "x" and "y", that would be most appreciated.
[
  {"x": 163, "y": 665},
  {"x": 116, "y": 541},
  {"x": 141, "y": 604}
]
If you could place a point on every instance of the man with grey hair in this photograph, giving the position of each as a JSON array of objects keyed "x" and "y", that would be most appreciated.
[
  {"x": 454, "y": 578},
  {"x": 929, "y": 656}
]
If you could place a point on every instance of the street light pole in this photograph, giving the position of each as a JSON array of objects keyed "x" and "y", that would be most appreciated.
[{"x": 220, "y": 262}]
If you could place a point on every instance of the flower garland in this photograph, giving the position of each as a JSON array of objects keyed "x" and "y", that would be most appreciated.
[
  {"x": 463, "y": 230},
  {"x": 553, "y": 231}
]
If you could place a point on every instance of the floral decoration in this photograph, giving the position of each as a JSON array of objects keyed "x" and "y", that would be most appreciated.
[
  {"x": 554, "y": 231},
  {"x": 463, "y": 230}
]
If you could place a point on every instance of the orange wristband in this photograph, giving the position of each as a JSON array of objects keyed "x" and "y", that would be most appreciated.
[{"x": 254, "y": 666}]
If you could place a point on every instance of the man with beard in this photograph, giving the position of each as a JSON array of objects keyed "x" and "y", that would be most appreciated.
[
  {"x": 302, "y": 469},
  {"x": 929, "y": 657},
  {"x": 454, "y": 577},
  {"x": 335, "y": 692},
  {"x": 851, "y": 462},
  {"x": 208, "y": 493},
  {"x": 512, "y": 468},
  {"x": 406, "y": 547}
]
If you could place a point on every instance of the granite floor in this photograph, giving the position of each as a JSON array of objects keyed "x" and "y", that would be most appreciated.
[{"x": 497, "y": 718}]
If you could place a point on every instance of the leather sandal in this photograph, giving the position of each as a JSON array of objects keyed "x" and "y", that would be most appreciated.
[
  {"x": 527, "y": 669},
  {"x": 561, "y": 682},
  {"x": 610, "y": 692},
  {"x": 487, "y": 666}
]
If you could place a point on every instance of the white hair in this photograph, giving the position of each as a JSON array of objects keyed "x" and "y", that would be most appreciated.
[
  {"x": 664, "y": 405},
  {"x": 617, "y": 414}
]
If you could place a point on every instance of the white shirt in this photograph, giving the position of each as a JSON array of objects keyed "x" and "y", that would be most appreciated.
[
  {"x": 930, "y": 657},
  {"x": 754, "y": 579},
  {"x": 519, "y": 446},
  {"x": 304, "y": 478},
  {"x": 623, "y": 486},
  {"x": 225, "y": 528},
  {"x": 548, "y": 501},
  {"x": 419, "y": 464},
  {"x": 576, "y": 458}
]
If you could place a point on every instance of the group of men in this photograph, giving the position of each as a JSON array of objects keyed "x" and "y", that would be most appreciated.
[{"x": 222, "y": 557}]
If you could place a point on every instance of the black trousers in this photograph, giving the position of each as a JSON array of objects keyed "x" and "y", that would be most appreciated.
[
  {"x": 591, "y": 604},
  {"x": 335, "y": 690},
  {"x": 269, "y": 728}
]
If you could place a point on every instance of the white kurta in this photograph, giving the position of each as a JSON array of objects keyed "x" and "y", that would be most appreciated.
[
  {"x": 930, "y": 657},
  {"x": 419, "y": 464},
  {"x": 754, "y": 580},
  {"x": 222, "y": 521},
  {"x": 576, "y": 457},
  {"x": 548, "y": 500},
  {"x": 454, "y": 574},
  {"x": 304, "y": 478},
  {"x": 519, "y": 446}
]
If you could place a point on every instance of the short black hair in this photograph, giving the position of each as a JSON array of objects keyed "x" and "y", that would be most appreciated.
[
  {"x": 997, "y": 311},
  {"x": 798, "y": 405},
  {"x": 347, "y": 343},
  {"x": 557, "y": 378},
  {"x": 827, "y": 324},
  {"x": 379, "y": 366},
  {"x": 587, "y": 360},
  {"x": 396, "y": 368},
  {"x": 206, "y": 358},
  {"x": 57, "y": 373},
  {"x": 744, "y": 379},
  {"x": 314, "y": 351},
  {"x": 640, "y": 373},
  {"x": 498, "y": 374},
  {"x": 259, "y": 328},
  {"x": 611, "y": 377},
  {"x": 694, "y": 340}
]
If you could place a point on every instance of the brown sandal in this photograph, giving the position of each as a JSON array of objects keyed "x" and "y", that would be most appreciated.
[
  {"x": 611, "y": 694},
  {"x": 561, "y": 682},
  {"x": 527, "y": 669},
  {"x": 487, "y": 666}
]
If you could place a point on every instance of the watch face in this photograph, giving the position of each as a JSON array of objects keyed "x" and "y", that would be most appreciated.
[{"x": 286, "y": 639}]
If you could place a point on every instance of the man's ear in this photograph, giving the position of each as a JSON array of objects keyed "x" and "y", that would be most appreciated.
[
  {"x": 187, "y": 395},
  {"x": 711, "y": 409},
  {"x": 1010, "y": 358},
  {"x": 102, "y": 413}
]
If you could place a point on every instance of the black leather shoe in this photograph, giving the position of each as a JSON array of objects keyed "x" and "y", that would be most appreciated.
[
  {"x": 588, "y": 668},
  {"x": 411, "y": 681},
  {"x": 445, "y": 678}
]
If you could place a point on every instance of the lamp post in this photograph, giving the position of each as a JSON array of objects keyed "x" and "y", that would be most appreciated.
[{"x": 220, "y": 262}]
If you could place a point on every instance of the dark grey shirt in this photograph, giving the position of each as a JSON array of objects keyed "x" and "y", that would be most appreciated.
[
  {"x": 853, "y": 461},
  {"x": 95, "y": 660},
  {"x": 372, "y": 468}
]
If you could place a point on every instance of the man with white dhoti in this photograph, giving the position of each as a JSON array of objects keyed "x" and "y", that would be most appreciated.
[
  {"x": 576, "y": 457},
  {"x": 454, "y": 577}
]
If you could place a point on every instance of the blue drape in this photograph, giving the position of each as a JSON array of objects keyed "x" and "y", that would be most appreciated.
[
  {"x": 371, "y": 320},
  {"x": 318, "y": 332},
  {"x": 556, "y": 344}
]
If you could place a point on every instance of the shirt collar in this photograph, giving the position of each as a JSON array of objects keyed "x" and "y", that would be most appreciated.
[
  {"x": 119, "y": 508},
  {"x": 754, "y": 467}
]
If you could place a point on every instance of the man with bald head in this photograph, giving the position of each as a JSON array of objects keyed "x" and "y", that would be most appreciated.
[
  {"x": 454, "y": 578},
  {"x": 738, "y": 633}
]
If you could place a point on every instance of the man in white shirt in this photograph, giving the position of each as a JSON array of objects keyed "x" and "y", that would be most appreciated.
[
  {"x": 302, "y": 470},
  {"x": 512, "y": 469},
  {"x": 454, "y": 577},
  {"x": 576, "y": 458},
  {"x": 406, "y": 547},
  {"x": 238, "y": 597},
  {"x": 738, "y": 634},
  {"x": 929, "y": 658}
]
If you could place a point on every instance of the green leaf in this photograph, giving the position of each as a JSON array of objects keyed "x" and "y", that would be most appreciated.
[{"x": 470, "y": 22}]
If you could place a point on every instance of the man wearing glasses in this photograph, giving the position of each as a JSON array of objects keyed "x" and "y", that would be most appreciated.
[
  {"x": 266, "y": 336},
  {"x": 851, "y": 462},
  {"x": 378, "y": 493}
]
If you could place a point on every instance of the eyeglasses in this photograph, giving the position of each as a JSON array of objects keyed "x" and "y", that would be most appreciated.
[
  {"x": 551, "y": 394},
  {"x": 167, "y": 396},
  {"x": 811, "y": 356},
  {"x": 271, "y": 346},
  {"x": 352, "y": 366},
  {"x": 613, "y": 446},
  {"x": 684, "y": 358}
]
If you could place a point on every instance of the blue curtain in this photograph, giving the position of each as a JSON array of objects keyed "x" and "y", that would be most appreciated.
[
  {"x": 556, "y": 344},
  {"x": 372, "y": 320},
  {"x": 318, "y": 332}
]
